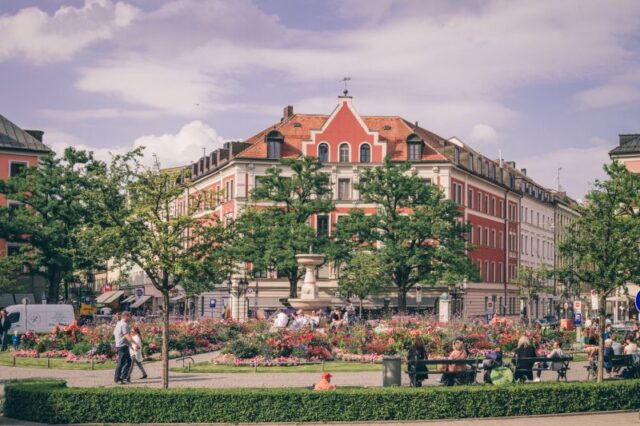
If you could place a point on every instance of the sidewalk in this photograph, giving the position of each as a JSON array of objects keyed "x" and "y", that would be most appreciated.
[{"x": 591, "y": 419}]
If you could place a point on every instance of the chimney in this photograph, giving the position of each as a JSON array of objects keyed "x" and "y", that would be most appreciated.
[
  {"x": 524, "y": 171},
  {"x": 38, "y": 134},
  {"x": 287, "y": 112},
  {"x": 623, "y": 138}
]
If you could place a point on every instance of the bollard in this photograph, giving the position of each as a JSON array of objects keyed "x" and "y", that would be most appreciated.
[
  {"x": 93, "y": 364},
  {"x": 14, "y": 360},
  {"x": 48, "y": 362},
  {"x": 391, "y": 371}
]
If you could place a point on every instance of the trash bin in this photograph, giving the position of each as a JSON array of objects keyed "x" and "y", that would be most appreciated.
[{"x": 391, "y": 371}]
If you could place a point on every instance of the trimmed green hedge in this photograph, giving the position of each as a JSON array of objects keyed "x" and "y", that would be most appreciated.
[{"x": 53, "y": 402}]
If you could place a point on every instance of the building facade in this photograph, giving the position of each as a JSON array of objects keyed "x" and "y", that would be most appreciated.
[
  {"x": 346, "y": 143},
  {"x": 19, "y": 149}
]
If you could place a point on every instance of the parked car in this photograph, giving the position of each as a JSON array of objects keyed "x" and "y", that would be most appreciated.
[
  {"x": 548, "y": 321},
  {"x": 623, "y": 327}
]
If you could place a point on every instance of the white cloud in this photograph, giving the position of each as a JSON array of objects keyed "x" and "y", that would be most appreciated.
[
  {"x": 171, "y": 149},
  {"x": 38, "y": 37},
  {"x": 580, "y": 166},
  {"x": 608, "y": 95},
  {"x": 483, "y": 134},
  {"x": 168, "y": 87},
  {"x": 182, "y": 147}
]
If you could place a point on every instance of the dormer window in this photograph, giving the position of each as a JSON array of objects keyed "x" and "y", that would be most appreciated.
[
  {"x": 471, "y": 161},
  {"x": 344, "y": 153},
  {"x": 365, "y": 153},
  {"x": 456, "y": 155},
  {"x": 323, "y": 153},
  {"x": 274, "y": 141},
  {"x": 414, "y": 147}
]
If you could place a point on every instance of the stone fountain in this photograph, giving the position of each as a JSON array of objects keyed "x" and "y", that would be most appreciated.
[{"x": 309, "y": 299}]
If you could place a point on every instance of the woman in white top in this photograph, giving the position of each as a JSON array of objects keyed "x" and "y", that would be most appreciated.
[
  {"x": 630, "y": 348},
  {"x": 136, "y": 354}
]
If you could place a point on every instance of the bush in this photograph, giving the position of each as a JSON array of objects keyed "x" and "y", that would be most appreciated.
[
  {"x": 81, "y": 348},
  {"x": 53, "y": 402}
]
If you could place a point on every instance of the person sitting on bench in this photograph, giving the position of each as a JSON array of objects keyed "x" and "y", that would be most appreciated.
[{"x": 524, "y": 367}]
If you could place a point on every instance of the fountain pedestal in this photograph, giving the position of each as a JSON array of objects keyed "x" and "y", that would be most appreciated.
[{"x": 309, "y": 299}]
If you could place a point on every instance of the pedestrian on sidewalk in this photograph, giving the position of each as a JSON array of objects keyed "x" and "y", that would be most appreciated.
[
  {"x": 5, "y": 326},
  {"x": 123, "y": 342},
  {"x": 136, "y": 354}
]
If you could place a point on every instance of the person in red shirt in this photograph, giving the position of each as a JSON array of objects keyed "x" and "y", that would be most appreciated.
[{"x": 325, "y": 382}]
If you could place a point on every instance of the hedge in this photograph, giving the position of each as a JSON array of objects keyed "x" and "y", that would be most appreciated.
[{"x": 51, "y": 401}]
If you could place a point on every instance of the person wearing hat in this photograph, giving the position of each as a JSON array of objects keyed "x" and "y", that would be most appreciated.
[{"x": 325, "y": 382}]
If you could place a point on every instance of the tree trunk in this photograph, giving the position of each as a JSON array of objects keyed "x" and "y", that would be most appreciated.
[
  {"x": 293, "y": 285},
  {"x": 402, "y": 299},
  {"x": 165, "y": 340},
  {"x": 602, "y": 309},
  {"x": 54, "y": 286}
]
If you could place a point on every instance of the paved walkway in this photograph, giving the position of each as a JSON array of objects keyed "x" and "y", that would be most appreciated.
[
  {"x": 617, "y": 419},
  {"x": 82, "y": 378}
]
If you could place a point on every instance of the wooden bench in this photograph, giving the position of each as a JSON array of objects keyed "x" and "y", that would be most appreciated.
[
  {"x": 630, "y": 363},
  {"x": 519, "y": 374},
  {"x": 449, "y": 378}
]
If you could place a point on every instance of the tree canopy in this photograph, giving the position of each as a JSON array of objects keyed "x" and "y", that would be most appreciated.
[{"x": 417, "y": 234}]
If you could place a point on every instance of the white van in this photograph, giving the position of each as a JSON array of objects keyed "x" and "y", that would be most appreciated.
[{"x": 41, "y": 318}]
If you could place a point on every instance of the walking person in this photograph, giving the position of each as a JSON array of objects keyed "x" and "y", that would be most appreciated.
[
  {"x": 136, "y": 354},
  {"x": 5, "y": 326},
  {"x": 123, "y": 342}
]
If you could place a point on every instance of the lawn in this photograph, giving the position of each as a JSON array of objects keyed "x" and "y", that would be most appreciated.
[
  {"x": 6, "y": 359},
  {"x": 332, "y": 366}
]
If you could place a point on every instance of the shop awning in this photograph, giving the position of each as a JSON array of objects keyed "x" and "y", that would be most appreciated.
[
  {"x": 141, "y": 301},
  {"x": 109, "y": 297},
  {"x": 176, "y": 299},
  {"x": 129, "y": 299}
]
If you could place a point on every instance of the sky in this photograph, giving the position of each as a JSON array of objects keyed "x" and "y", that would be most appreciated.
[{"x": 549, "y": 84}]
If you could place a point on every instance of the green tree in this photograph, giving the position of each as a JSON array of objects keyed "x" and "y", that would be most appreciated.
[
  {"x": 604, "y": 242},
  {"x": 363, "y": 275},
  {"x": 532, "y": 281},
  {"x": 52, "y": 217},
  {"x": 417, "y": 234},
  {"x": 271, "y": 237},
  {"x": 150, "y": 222}
]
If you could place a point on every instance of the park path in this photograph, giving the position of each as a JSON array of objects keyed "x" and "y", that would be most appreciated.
[
  {"x": 592, "y": 419},
  {"x": 82, "y": 378}
]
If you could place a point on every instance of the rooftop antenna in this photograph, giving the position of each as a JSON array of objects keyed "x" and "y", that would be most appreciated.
[
  {"x": 500, "y": 157},
  {"x": 558, "y": 179},
  {"x": 345, "y": 80}
]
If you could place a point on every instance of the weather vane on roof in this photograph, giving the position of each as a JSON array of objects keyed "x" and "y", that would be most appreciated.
[{"x": 344, "y": 80}]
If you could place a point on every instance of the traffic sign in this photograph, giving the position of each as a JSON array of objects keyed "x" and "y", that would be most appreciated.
[
  {"x": 249, "y": 291},
  {"x": 139, "y": 292},
  {"x": 212, "y": 303},
  {"x": 577, "y": 319},
  {"x": 566, "y": 305},
  {"x": 577, "y": 305},
  {"x": 490, "y": 305}
]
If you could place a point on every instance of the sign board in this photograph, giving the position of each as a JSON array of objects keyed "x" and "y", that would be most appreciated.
[
  {"x": 638, "y": 301},
  {"x": 212, "y": 303},
  {"x": 577, "y": 319},
  {"x": 594, "y": 300},
  {"x": 249, "y": 291},
  {"x": 577, "y": 305},
  {"x": 490, "y": 305},
  {"x": 139, "y": 292}
]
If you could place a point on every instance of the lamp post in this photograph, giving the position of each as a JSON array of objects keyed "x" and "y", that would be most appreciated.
[{"x": 238, "y": 290}]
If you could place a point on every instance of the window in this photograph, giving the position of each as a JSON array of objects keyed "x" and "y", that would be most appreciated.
[
  {"x": 322, "y": 225},
  {"x": 426, "y": 181},
  {"x": 323, "y": 153},
  {"x": 471, "y": 161},
  {"x": 493, "y": 238},
  {"x": 486, "y": 270},
  {"x": 500, "y": 240},
  {"x": 501, "y": 209},
  {"x": 486, "y": 237},
  {"x": 493, "y": 205},
  {"x": 344, "y": 153},
  {"x": 479, "y": 235},
  {"x": 499, "y": 272},
  {"x": 486, "y": 204},
  {"x": 259, "y": 181},
  {"x": 479, "y": 205},
  {"x": 470, "y": 198},
  {"x": 414, "y": 147},
  {"x": 456, "y": 154},
  {"x": 344, "y": 189},
  {"x": 16, "y": 168},
  {"x": 274, "y": 144},
  {"x": 365, "y": 153}
]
